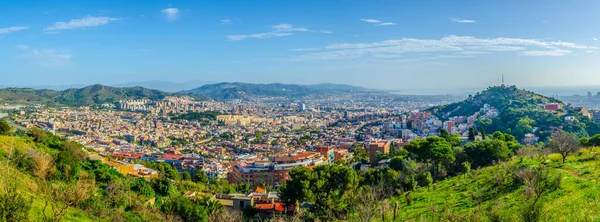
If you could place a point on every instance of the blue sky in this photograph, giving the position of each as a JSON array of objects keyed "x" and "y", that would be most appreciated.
[{"x": 379, "y": 44}]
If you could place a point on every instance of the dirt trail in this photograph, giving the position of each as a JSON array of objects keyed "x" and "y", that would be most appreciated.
[{"x": 569, "y": 171}]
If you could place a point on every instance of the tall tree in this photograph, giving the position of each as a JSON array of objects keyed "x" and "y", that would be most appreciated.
[{"x": 563, "y": 143}]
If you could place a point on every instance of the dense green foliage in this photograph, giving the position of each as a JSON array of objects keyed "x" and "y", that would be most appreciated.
[
  {"x": 327, "y": 187},
  {"x": 65, "y": 181},
  {"x": 197, "y": 116}
]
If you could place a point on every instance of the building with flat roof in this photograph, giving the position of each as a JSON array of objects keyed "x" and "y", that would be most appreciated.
[{"x": 377, "y": 147}]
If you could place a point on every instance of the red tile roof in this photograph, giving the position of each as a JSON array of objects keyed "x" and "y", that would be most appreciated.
[{"x": 269, "y": 206}]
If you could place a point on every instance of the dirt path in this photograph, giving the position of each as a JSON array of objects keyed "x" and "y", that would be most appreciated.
[{"x": 569, "y": 171}]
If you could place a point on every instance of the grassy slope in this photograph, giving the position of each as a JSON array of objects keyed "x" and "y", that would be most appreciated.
[
  {"x": 576, "y": 200},
  {"x": 27, "y": 184}
]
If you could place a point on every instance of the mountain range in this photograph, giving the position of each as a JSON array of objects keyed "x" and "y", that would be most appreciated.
[
  {"x": 236, "y": 90},
  {"x": 98, "y": 94},
  {"x": 90, "y": 95}
]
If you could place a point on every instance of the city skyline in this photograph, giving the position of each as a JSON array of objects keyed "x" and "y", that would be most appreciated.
[{"x": 380, "y": 45}]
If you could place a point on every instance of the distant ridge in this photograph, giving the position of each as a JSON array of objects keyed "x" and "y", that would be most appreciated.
[
  {"x": 237, "y": 90},
  {"x": 165, "y": 86},
  {"x": 90, "y": 95}
]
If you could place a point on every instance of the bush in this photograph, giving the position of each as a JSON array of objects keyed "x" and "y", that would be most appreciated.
[
  {"x": 555, "y": 157},
  {"x": 14, "y": 206}
]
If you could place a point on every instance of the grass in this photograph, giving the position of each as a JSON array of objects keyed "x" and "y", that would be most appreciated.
[
  {"x": 489, "y": 191},
  {"x": 27, "y": 185}
]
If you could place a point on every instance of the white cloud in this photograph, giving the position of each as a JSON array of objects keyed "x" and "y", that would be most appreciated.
[
  {"x": 257, "y": 36},
  {"x": 371, "y": 20},
  {"x": 46, "y": 57},
  {"x": 462, "y": 20},
  {"x": 554, "y": 52},
  {"x": 12, "y": 29},
  {"x": 447, "y": 47},
  {"x": 287, "y": 28},
  {"x": 385, "y": 24},
  {"x": 171, "y": 13},
  {"x": 85, "y": 22},
  {"x": 277, "y": 31},
  {"x": 22, "y": 47},
  {"x": 226, "y": 21},
  {"x": 378, "y": 22},
  {"x": 595, "y": 39}
]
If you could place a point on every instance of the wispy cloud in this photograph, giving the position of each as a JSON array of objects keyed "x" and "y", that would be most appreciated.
[
  {"x": 448, "y": 47},
  {"x": 385, "y": 24},
  {"x": 595, "y": 39},
  {"x": 12, "y": 29},
  {"x": 22, "y": 47},
  {"x": 277, "y": 31},
  {"x": 46, "y": 57},
  {"x": 226, "y": 21},
  {"x": 171, "y": 13},
  {"x": 371, "y": 20},
  {"x": 554, "y": 52},
  {"x": 86, "y": 22},
  {"x": 462, "y": 20},
  {"x": 378, "y": 22}
]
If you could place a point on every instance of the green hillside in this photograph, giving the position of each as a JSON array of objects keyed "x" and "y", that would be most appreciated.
[
  {"x": 87, "y": 96},
  {"x": 496, "y": 193},
  {"x": 44, "y": 177},
  {"x": 520, "y": 111}
]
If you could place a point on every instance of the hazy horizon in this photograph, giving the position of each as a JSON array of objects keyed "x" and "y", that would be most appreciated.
[{"x": 155, "y": 84}]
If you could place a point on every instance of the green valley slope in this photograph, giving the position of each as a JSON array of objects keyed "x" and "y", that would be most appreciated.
[{"x": 494, "y": 192}]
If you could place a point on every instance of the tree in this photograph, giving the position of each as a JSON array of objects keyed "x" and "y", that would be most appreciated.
[
  {"x": 440, "y": 151},
  {"x": 5, "y": 128},
  {"x": 563, "y": 143},
  {"x": 360, "y": 154},
  {"x": 187, "y": 176},
  {"x": 367, "y": 202},
  {"x": 59, "y": 196},
  {"x": 483, "y": 136},
  {"x": 594, "y": 140},
  {"x": 453, "y": 139},
  {"x": 472, "y": 134},
  {"x": 483, "y": 153},
  {"x": 466, "y": 167},
  {"x": 523, "y": 126},
  {"x": 537, "y": 182},
  {"x": 424, "y": 179},
  {"x": 396, "y": 163},
  {"x": 326, "y": 187},
  {"x": 201, "y": 177}
]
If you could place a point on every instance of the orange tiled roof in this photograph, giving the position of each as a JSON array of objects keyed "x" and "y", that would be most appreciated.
[{"x": 269, "y": 206}]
